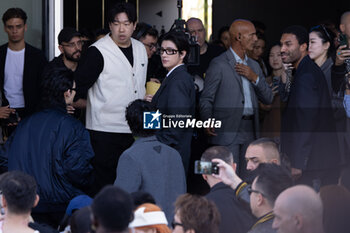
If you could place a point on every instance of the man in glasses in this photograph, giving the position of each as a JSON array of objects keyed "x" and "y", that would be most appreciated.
[
  {"x": 21, "y": 66},
  {"x": 112, "y": 75},
  {"x": 270, "y": 181},
  {"x": 70, "y": 45}
]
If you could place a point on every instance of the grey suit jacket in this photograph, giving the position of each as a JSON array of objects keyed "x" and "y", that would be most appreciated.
[
  {"x": 151, "y": 166},
  {"x": 223, "y": 99}
]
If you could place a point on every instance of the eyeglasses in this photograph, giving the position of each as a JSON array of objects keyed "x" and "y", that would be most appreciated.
[
  {"x": 174, "y": 224},
  {"x": 250, "y": 191},
  {"x": 74, "y": 44},
  {"x": 168, "y": 51},
  {"x": 323, "y": 29},
  {"x": 151, "y": 46}
]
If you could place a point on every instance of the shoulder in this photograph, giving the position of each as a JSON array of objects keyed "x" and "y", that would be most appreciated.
[{"x": 33, "y": 50}]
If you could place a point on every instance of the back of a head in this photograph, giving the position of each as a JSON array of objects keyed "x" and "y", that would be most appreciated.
[
  {"x": 197, "y": 213},
  {"x": 272, "y": 180},
  {"x": 144, "y": 29},
  {"x": 141, "y": 197},
  {"x": 217, "y": 152},
  {"x": 80, "y": 221},
  {"x": 270, "y": 148},
  {"x": 302, "y": 200},
  {"x": 300, "y": 33},
  {"x": 150, "y": 216},
  {"x": 122, "y": 7},
  {"x": 14, "y": 13},
  {"x": 55, "y": 83},
  {"x": 336, "y": 208},
  {"x": 19, "y": 191},
  {"x": 112, "y": 208},
  {"x": 134, "y": 117}
]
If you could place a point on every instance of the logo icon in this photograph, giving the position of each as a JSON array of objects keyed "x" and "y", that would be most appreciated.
[{"x": 152, "y": 120}]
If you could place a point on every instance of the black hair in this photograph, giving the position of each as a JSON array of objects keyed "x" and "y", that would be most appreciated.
[
  {"x": 300, "y": 33},
  {"x": 326, "y": 35},
  {"x": 134, "y": 117},
  {"x": 80, "y": 221},
  {"x": 122, "y": 7},
  {"x": 141, "y": 197},
  {"x": 101, "y": 31},
  {"x": 14, "y": 13},
  {"x": 19, "y": 190},
  {"x": 259, "y": 25},
  {"x": 271, "y": 180},
  {"x": 144, "y": 29},
  {"x": 180, "y": 40},
  {"x": 113, "y": 208},
  {"x": 222, "y": 30},
  {"x": 55, "y": 83},
  {"x": 217, "y": 152},
  {"x": 267, "y": 143}
]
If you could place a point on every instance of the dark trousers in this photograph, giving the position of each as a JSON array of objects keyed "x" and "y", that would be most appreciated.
[{"x": 107, "y": 147}]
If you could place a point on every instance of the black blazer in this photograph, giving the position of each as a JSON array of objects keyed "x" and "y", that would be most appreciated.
[
  {"x": 175, "y": 96},
  {"x": 34, "y": 63},
  {"x": 308, "y": 134}
]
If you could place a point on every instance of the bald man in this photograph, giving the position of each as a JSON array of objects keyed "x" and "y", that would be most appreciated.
[
  {"x": 233, "y": 85},
  {"x": 262, "y": 150},
  {"x": 298, "y": 210}
]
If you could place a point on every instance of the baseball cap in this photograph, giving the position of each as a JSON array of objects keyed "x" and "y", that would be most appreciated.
[{"x": 66, "y": 34}]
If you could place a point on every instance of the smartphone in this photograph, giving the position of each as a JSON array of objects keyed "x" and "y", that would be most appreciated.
[
  {"x": 275, "y": 81},
  {"x": 205, "y": 167},
  {"x": 343, "y": 40}
]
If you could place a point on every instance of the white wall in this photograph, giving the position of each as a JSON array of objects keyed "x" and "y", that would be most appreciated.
[{"x": 149, "y": 8}]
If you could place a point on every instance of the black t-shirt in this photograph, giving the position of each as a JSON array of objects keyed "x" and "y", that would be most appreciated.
[
  {"x": 128, "y": 54},
  {"x": 205, "y": 59}
]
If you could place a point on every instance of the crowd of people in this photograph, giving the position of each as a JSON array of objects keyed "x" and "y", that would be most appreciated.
[{"x": 77, "y": 154}]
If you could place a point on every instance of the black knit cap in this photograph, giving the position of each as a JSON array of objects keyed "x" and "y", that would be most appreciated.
[{"x": 66, "y": 34}]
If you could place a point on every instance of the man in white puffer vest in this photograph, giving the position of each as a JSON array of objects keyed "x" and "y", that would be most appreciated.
[{"x": 110, "y": 76}]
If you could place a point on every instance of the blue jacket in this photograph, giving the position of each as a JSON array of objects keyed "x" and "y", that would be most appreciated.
[{"x": 55, "y": 149}]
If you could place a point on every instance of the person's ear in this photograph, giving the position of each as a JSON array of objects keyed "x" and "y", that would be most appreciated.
[
  {"x": 60, "y": 47},
  {"x": 327, "y": 45},
  {"x": 260, "y": 200},
  {"x": 183, "y": 54},
  {"x": 134, "y": 27},
  {"x": 67, "y": 94},
  {"x": 3, "y": 201},
  {"x": 303, "y": 47},
  {"x": 205, "y": 177},
  {"x": 275, "y": 161},
  {"x": 25, "y": 27},
  {"x": 36, "y": 201},
  {"x": 298, "y": 222},
  {"x": 234, "y": 166}
]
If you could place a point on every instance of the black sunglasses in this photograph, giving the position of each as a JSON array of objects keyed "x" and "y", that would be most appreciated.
[
  {"x": 174, "y": 224},
  {"x": 250, "y": 191}
]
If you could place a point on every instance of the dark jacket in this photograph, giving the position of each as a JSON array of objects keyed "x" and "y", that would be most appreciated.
[
  {"x": 264, "y": 224},
  {"x": 175, "y": 96},
  {"x": 55, "y": 149},
  {"x": 308, "y": 134},
  {"x": 234, "y": 217},
  {"x": 34, "y": 63}
]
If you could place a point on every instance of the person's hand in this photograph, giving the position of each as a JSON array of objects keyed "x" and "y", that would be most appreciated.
[
  {"x": 210, "y": 131},
  {"x": 80, "y": 103},
  {"x": 341, "y": 55},
  {"x": 154, "y": 80},
  {"x": 70, "y": 109},
  {"x": 296, "y": 173},
  {"x": 246, "y": 71},
  {"x": 6, "y": 111},
  {"x": 275, "y": 90},
  {"x": 226, "y": 174},
  {"x": 148, "y": 98},
  {"x": 287, "y": 67}
]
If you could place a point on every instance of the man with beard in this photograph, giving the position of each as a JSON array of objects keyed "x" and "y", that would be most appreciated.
[
  {"x": 308, "y": 134},
  {"x": 70, "y": 45}
]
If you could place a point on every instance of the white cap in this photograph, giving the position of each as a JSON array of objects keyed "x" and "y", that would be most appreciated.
[{"x": 149, "y": 218}]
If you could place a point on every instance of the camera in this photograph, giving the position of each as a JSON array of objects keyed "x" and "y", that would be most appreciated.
[
  {"x": 179, "y": 25},
  {"x": 205, "y": 167}
]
